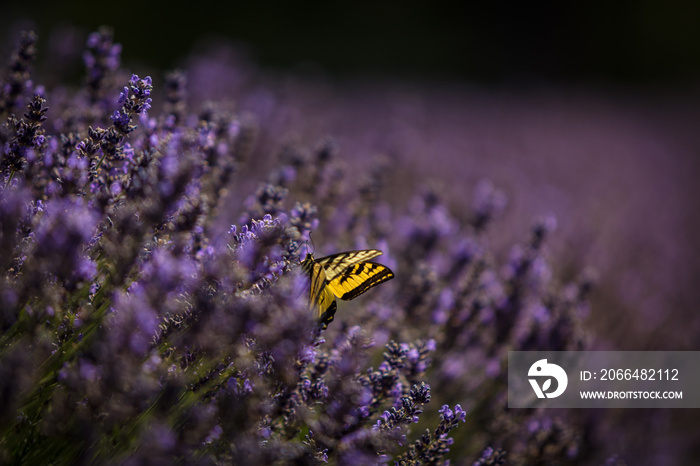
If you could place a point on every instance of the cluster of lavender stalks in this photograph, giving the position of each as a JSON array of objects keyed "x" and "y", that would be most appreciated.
[{"x": 139, "y": 326}]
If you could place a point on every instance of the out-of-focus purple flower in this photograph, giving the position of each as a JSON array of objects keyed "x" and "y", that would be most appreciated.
[
  {"x": 491, "y": 457},
  {"x": 488, "y": 203},
  {"x": 102, "y": 57},
  {"x": 18, "y": 79},
  {"x": 215, "y": 434},
  {"x": 134, "y": 322}
]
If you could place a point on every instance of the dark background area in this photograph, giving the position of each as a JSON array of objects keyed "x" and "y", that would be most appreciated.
[{"x": 624, "y": 43}]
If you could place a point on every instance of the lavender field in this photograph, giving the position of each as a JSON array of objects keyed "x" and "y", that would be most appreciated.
[{"x": 152, "y": 225}]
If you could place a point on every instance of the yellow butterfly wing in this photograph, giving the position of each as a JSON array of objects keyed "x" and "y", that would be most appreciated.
[
  {"x": 359, "y": 278},
  {"x": 345, "y": 275},
  {"x": 337, "y": 264},
  {"x": 321, "y": 298}
]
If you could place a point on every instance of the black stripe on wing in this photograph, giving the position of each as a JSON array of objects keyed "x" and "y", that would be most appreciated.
[
  {"x": 336, "y": 265},
  {"x": 360, "y": 278}
]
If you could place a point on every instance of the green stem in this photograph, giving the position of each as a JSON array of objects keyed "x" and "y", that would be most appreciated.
[
  {"x": 99, "y": 162},
  {"x": 9, "y": 180}
]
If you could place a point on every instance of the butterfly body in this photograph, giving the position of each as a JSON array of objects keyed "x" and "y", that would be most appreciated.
[{"x": 345, "y": 275}]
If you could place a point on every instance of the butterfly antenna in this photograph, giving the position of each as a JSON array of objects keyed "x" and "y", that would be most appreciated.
[
  {"x": 298, "y": 248},
  {"x": 313, "y": 247}
]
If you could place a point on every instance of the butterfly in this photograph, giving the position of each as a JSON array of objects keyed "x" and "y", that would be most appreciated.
[{"x": 345, "y": 275}]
